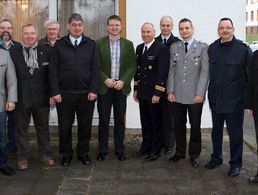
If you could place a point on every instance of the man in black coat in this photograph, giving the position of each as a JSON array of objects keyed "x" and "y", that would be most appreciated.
[
  {"x": 74, "y": 78},
  {"x": 31, "y": 62},
  {"x": 228, "y": 63},
  {"x": 149, "y": 87},
  {"x": 252, "y": 101},
  {"x": 168, "y": 136}
]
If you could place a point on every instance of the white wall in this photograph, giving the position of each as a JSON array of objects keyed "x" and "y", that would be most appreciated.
[{"x": 204, "y": 14}]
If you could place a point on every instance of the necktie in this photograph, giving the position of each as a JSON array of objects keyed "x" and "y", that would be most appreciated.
[
  {"x": 186, "y": 49},
  {"x": 76, "y": 43},
  {"x": 165, "y": 41},
  {"x": 145, "y": 50}
]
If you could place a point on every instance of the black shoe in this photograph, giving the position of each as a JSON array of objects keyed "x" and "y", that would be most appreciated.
[
  {"x": 233, "y": 171},
  {"x": 85, "y": 159},
  {"x": 120, "y": 156},
  {"x": 176, "y": 158},
  {"x": 12, "y": 151},
  {"x": 101, "y": 156},
  {"x": 169, "y": 153},
  {"x": 154, "y": 157},
  {"x": 139, "y": 154},
  {"x": 195, "y": 162},
  {"x": 253, "y": 180},
  {"x": 66, "y": 161},
  {"x": 6, "y": 170},
  {"x": 212, "y": 164}
]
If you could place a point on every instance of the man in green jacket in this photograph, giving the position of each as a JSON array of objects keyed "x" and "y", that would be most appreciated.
[{"x": 118, "y": 66}]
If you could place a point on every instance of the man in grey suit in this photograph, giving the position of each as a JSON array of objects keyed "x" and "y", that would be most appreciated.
[
  {"x": 186, "y": 88},
  {"x": 8, "y": 95}
]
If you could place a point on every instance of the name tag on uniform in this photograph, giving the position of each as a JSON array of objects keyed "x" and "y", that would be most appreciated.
[
  {"x": 45, "y": 63},
  {"x": 151, "y": 57}
]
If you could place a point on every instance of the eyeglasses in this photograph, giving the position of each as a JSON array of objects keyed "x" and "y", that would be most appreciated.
[
  {"x": 225, "y": 28},
  {"x": 6, "y": 28}
]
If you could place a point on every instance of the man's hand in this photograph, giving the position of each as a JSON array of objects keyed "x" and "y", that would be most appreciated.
[
  {"x": 57, "y": 98},
  {"x": 171, "y": 97},
  {"x": 155, "y": 99},
  {"x": 51, "y": 102},
  {"x": 110, "y": 83},
  {"x": 119, "y": 85},
  {"x": 249, "y": 111},
  {"x": 9, "y": 106},
  {"x": 198, "y": 99},
  {"x": 92, "y": 96},
  {"x": 135, "y": 96}
]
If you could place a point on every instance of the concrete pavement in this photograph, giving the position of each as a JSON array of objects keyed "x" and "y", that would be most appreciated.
[{"x": 133, "y": 176}]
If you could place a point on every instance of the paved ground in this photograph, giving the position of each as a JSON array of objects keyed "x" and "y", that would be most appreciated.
[{"x": 132, "y": 176}]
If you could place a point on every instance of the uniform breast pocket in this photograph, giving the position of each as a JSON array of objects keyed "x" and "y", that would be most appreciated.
[{"x": 234, "y": 70}]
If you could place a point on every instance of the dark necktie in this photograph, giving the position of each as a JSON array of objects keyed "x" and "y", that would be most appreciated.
[
  {"x": 186, "y": 49},
  {"x": 76, "y": 43},
  {"x": 145, "y": 50},
  {"x": 165, "y": 41}
]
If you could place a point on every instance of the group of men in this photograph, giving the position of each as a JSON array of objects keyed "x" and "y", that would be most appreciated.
[{"x": 171, "y": 77}]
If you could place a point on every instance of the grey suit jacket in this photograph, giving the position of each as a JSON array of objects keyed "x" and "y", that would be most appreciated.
[
  {"x": 188, "y": 73},
  {"x": 8, "y": 82}
]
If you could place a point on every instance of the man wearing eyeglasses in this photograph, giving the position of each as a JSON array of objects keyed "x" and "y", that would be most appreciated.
[
  {"x": 6, "y": 42},
  {"x": 228, "y": 62}
]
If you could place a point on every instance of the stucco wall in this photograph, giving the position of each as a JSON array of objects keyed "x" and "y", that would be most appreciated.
[{"x": 204, "y": 14}]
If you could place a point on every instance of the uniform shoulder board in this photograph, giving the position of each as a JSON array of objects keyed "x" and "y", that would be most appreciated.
[{"x": 201, "y": 42}]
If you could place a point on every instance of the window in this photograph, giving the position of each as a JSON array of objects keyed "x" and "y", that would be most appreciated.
[
  {"x": 246, "y": 16},
  {"x": 252, "y": 15}
]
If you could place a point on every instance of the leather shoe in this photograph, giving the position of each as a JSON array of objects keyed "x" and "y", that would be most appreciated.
[
  {"x": 153, "y": 157},
  {"x": 253, "y": 180},
  {"x": 233, "y": 171},
  {"x": 139, "y": 154},
  {"x": 85, "y": 159},
  {"x": 6, "y": 170},
  {"x": 22, "y": 164},
  {"x": 101, "y": 156},
  {"x": 176, "y": 158},
  {"x": 66, "y": 161},
  {"x": 195, "y": 162},
  {"x": 120, "y": 156},
  {"x": 170, "y": 152},
  {"x": 47, "y": 160},
  {"x": 212, "y": 164}
]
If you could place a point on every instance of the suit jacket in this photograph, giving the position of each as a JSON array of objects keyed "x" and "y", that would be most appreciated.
[
  {"x": 172, "y": 39},
  {"x": 33, "y": 90},
  {"x": 13, "y": 44},
  {"x": 151, "y": 75},
  {"x": 189, "y": 73},
  {"x": 127, "y": 63},
  {"x": 8, "y": 82}
]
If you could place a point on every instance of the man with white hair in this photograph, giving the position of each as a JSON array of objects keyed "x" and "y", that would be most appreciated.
[{"x": 52, "y": 28}]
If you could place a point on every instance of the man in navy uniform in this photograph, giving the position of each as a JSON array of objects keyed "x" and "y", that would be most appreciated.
[
  {"x": 168, "y": 136},
  {"x": 187, "y": 85},
  {"x": 229, "y": 59},
  {"x": 149, "y": 87}
]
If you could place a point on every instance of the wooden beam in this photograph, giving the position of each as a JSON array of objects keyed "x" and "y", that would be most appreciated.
[{"x": 122, "y": 14}]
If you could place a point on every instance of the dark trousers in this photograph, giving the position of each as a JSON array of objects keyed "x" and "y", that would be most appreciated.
[
  {"x": 3, "y": 139},
  {"x": 11, "y": 129},
  {"x": 71, "y": 104},
  {"x": 105, "y": 102},
  {"x": 255, "y": 116},
  {"x": 151, "y": 121},
  {"x": 234, "y": 122},
  {"x": 180, "y": 116},
  {"x": 168, "y": 133},
  {"x": 40, "y": 118}
]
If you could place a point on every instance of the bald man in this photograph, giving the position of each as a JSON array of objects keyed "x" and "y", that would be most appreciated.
[{"x": 149, "y": 87}]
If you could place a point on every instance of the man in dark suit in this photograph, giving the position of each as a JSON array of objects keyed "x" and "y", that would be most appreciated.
[
  {"x": 149, "y": 87},
  {"x": 168, "y": 136},
  {"x": 31, "y": 63},
  {"x": 74, "y": 78},
  {"x": 7, "y": 42},
  {"x": 118, "y": 66},
  {"x": 228, "y": 63}
]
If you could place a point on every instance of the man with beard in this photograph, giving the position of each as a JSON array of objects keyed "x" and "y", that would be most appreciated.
[{"x": 7, "y": 42}]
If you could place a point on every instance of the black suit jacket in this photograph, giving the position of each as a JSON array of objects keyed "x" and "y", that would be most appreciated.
[
  {"x": 33, "y": 90},
  {"x": 152, "y": 70},
  {"x": 172, "y": 39},
  {"x": 15, "y": 43}
]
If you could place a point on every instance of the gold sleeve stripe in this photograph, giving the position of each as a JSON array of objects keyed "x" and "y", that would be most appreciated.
[{"x": 159, "y": 88}]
